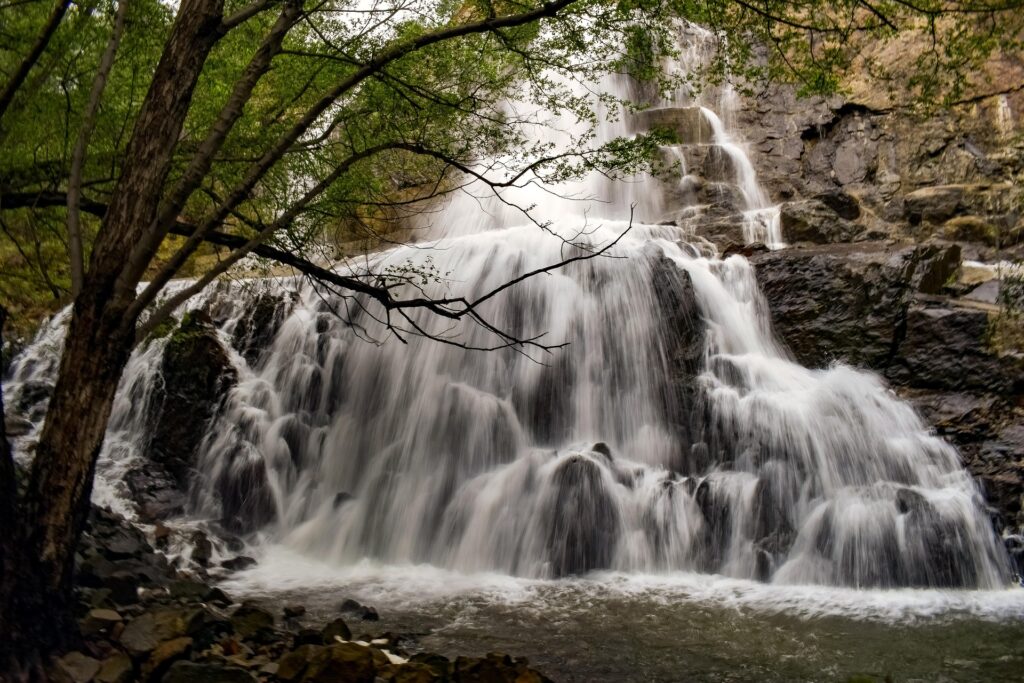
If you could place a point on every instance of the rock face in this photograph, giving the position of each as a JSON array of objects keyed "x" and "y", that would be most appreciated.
[
  {"x": 196, "y": 376},
  {"x": 882, "y": 210},
  {"x": 895, "y": 309}
]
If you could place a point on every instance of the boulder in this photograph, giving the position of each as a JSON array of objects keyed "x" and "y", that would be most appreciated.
[
  {"x": 812, "y": 220},
  {"x": 164, "y": 655},
  {"x": 838, "y": 302},
  {"x": 239, "y": 563},
  {"x": 496, "y": 668},
  {"x": 197, "y": 375},
  {"x": 340, "y": 662},
  {"x": 581, "y": 519},
  {"x": 933, "y": 204},
  {"x": 117, "y": 668},
  {"x": 335, "y": 629},
  {"x": 77, "y": 667},
  {"x": 971, "y": 229},
  {"x": 946, "y": 347},
  {"x": 99, "y": 622},
  {"x": 205, "y": 672},
  {"x": 146, "y": 632},
  {"x": 251, "y": 621}
]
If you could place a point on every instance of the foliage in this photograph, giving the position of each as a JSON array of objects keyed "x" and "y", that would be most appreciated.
[{"x": 419, "y": 127}]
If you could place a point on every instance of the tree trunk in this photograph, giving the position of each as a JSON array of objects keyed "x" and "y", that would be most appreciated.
[{"x": 99, "y": 342}]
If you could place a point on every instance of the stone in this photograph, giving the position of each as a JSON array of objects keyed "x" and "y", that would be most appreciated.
[
  {"x": 78, "y": 667},
  {"x": 116, "y": 668},
  {"x": 217, "y": 597},
  {"x": 971, "y": 229},
  {"x": 581, "y": 519},
  {"x": 98, "y": 622},
  {"x": 144, "y": 633},
  {"x": 937, "y": 265},
  {"x": 414, "y": 673},
  {"x": 341, "y": 662},
  {"x": 933, "y": 204},
  {"x": 239, "y": 563},
  {"x": 842, "y": 203},
  {"x": 311, "y": 636},
  {"x": 496, "y": 668},
  {"x": 202, "y": 549},
  {"x": 15, "y": 426},
  {"x": 293, "y": 611},
  {"x": 336, "y": 628},
  {"x": 946, "y": 347},
  {"x": 811, "y": 220},
  {"x": 197, "y": 374},
  {"x": 194, "y": 672},
  {"x": 164, "y": 655},
  {"x": 293, "y": 665},
  {"x": 986, "y": 293},
  {"x": 250, "y": 620}
]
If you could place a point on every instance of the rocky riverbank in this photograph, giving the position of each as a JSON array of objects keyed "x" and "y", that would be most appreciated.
[{"x": 143, "y": 619}]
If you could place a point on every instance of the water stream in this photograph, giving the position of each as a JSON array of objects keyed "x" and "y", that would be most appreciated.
[{"x": 673, "y": 454}]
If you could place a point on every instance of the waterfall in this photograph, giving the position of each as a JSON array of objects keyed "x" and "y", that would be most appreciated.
[{"x": 671, "y": 433}]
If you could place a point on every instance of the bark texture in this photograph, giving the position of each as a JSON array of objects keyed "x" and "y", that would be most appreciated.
[{"x": 100, "y": 338}]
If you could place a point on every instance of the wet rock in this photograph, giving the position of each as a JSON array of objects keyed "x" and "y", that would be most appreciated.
[
  {"x": 251, "y": 621},
  {"x": 99, "y": 622},
  {"x": 364, "y": 612},
  {"x": 582, "y": 519},
  {"x": 217, "y": 597},
  {"x": 30, "y": 395},
  {"x": 812, "y": 220},
  {"x": 239, "y": 563},
  {"x": 946, "y": 347},
  {"x": 293, "y": 665},
  {"x": 202, "y": 549},
  {"x": 156, "y": 493},
  {"x": 258, "y": 325},
  {"x": 908, "y": 500},
  {"x": 496, "y": 668},
  {"x": 195, "y": 672},
  {"x": 15, "y": 426},
  {"x": 339, "y": 662},
  {"x": 143, "y": 634},
  {"x": 116, "y": 668},
  {"x": 164, "y": 655},
  {"x": 310, "y": 636},
  {"x": 335, "y": 629},
  {"x": 971, "y": 229},
  {"x": 293, "y": 611},
  {"x": 244, "y": 491},
  {"x": 78, "y": 667},
  {"x": 933, "y": 204},
  {"x": 187, "y": 589},
  {"x": 197, "y": 374},
  {"x": 717, "y": 528},
  {"x": 838, "y": 302}
]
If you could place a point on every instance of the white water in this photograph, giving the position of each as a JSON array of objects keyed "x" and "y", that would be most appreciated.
[{"x": 718, "y": 453}]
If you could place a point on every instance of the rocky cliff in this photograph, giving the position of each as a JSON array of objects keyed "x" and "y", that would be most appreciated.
[{"x": 904, "y": 237}]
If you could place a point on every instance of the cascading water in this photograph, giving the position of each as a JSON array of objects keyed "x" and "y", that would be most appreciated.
[{"x": 672, "y": 433}]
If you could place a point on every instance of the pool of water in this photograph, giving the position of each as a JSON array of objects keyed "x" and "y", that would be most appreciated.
[{"x": 678, "y": 627}]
